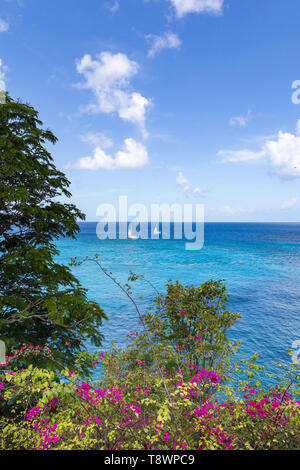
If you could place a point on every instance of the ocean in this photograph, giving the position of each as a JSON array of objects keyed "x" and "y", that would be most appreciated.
[{"x": 258, "y": 262}]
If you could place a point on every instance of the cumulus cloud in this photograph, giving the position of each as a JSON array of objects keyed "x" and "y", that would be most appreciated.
[
  {"x": 3, "y": 26},
  {"x": 183, "y": 7},
  {"x": 167, "y": 41},
  {"x": 181, "y": 179},
  {"x": 97, "y": 139},
  {"x": 108, "y": 76},
  {"x": 282, "y": 154},
  {"x": 241, "y": 120},
  {"x": 133, "y": 155},
  {"x": 2, "y": 76},
  {"x": 289, "y": 203}
]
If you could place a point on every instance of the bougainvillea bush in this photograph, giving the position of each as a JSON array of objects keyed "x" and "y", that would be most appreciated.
[
  {"x": 135, "y": 406},
  {"x": 175, "y": 385}
]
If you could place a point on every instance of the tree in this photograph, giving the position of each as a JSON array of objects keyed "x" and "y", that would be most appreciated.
[
  {"x": 195, "y": 320},
  {"x": 40, "y": 299}
]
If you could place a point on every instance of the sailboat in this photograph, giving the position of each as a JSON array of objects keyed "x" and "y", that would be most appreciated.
[
  {"x": 156, "y": 231},
  {"x": 132, "y": 237}
]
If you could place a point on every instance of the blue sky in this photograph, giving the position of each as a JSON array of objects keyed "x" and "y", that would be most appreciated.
[{"x": 165, "y": 100}]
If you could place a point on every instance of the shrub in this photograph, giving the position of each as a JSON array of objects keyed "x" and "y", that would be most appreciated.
[{"x": 137, "y": 406}]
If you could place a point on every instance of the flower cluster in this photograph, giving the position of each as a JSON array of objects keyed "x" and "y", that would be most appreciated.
[{"x": 145, "y": 399}]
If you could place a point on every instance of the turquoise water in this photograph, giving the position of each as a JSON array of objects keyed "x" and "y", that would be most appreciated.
[{"x": 260, "y": 264}]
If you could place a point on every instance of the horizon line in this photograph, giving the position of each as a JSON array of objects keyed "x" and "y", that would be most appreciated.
[{"x": 205, "y": 222}]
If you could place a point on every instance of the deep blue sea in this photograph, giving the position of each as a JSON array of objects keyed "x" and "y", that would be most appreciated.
[{"x": 259, "y": 262}]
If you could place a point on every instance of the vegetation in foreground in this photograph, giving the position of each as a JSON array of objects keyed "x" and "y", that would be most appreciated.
[{"x": 154, "y": 393}]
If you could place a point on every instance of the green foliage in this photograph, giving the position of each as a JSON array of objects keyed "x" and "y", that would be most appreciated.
[
  {"x": 194, "y": 322},
  {"x": 150, "y": 395},
  {"x": 40, "y": 299},
  {"x": 130, "y": 408}
]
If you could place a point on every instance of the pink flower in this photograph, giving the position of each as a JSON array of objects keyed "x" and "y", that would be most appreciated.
[{"x": 33, "y": 413}]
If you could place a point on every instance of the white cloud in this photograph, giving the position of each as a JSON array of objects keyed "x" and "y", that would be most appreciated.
[
  {"x": 2, "y": 76},
  {"x": 3, "y": 26},
  {"x": 158, "y": 43},
  {"x": 235, "y": 156},
  {"x": 283, "y": 155},
  {"x": 97, "y": 139},
  {"x": 108, "y": 76},
  {"x": 290, "y": 203},
  {"x": 113, "y": 6},
  {"x": 133, "y": 155},
  {"x": 183, "y": 7},
  {"x": 182, "y": 180},
  {"x": 241, "y": 120}
]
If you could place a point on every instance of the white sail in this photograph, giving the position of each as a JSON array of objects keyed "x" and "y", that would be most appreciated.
[
  {"x": 132, "y": 237},
  {"x": 156, "y": 231}
]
